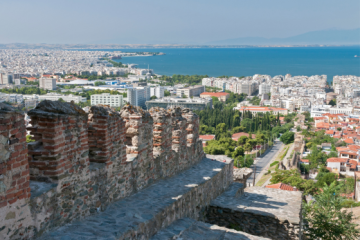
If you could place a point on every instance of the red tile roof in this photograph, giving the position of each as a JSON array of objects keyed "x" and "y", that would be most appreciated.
[
  {"x": 349, "y": 140},
  {"x": 333, "y": 159},
  {"x": 349, "y": 153},
  {"x": 330, "y": 132},
  {"x": 261, "y": 109},
  {"x": 281, "y": 186},
  {"x": 354, "y": 147},
  {"x": 236, "y": 136},
  {"x": 214, "y": 94},
  {"x": 323, "y": 125},
  {"x": 206, "y": 137}
]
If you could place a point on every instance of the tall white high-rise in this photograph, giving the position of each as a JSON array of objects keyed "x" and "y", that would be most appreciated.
[
  {"x": 47, "y": 83},
  {"x": 6, "y": 78},
  {"x": 264, "y": 88},
  {"x": 136, "y": 96},
  {"x": 158, "y": 92}
]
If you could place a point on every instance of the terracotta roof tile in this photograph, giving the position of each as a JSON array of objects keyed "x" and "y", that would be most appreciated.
[
  {"x": 281, "y": 186},
  {"x": 344, "y": 160},
  {"x": 214, "y": 94},
  {"x": 206, "y": 137}
]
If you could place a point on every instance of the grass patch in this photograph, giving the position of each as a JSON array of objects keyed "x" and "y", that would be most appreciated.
[
  {"x": 274, "y": 163},
  {"x": 273, "y": 168},
  {"x": 263, "y": 180}
]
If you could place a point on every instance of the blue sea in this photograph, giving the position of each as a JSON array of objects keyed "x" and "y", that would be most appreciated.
[{"x": 215, "y": 62}]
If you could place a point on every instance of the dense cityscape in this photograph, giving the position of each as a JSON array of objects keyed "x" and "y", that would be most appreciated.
[{"x": 288, "y": 138}]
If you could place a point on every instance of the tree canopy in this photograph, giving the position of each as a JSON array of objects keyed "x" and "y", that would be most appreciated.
[{"x": 325, "y": 218}]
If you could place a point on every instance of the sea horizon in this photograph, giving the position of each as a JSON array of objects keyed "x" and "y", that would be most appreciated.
[{"x": 214, "y": 62}]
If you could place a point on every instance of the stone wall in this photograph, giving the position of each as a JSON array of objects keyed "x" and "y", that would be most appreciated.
[
  {"x": 80, "y": 163},
  {"x": 15, "y": 217},
  {"x": 265, "y": 212}
]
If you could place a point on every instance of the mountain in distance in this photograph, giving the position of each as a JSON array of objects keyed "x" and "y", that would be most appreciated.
[{"x": 323, "y": 37}]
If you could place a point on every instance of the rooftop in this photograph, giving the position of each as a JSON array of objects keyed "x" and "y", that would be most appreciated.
[
  {"x": 281, "y": 186},
  {"x": 215, "y": 94}
]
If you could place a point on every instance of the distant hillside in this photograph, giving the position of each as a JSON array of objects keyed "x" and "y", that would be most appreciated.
[{"x": 331, "y": 36}]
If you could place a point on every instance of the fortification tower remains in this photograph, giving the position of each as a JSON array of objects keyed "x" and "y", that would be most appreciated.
[{"x": 80, "y": 163}]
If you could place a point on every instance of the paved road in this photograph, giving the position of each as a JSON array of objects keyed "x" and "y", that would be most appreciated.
[{"x": 263, "y": 161}]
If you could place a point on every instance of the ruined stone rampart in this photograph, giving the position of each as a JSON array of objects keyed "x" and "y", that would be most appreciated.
[{"x": 80, "y": 163}]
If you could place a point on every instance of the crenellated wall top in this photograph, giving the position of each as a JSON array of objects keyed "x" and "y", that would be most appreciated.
[
  {"x": 131, "y": 111},
  {"x": 5, "y": 108},
  {"x": 55, "y": 107},
  {"x": 102, "y": 110}
]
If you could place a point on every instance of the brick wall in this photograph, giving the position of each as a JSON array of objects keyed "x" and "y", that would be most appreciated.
[
  {"x": 80, "y": 163},
  {"x": 61, "y": 146},
  {"x": 14, "y": 173}
]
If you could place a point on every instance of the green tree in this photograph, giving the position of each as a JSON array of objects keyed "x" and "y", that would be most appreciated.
[
  {"x": 153, "y": 97},
  {"x": 215, "y": 99},
  {"x": 326, "y": 178},
  {"x": 237, "y": 130},
  {"x": 248, "y": 147},
  {"x": 239, "y": 151},
  {"x": 325, "y": 218},
  {"x": 332, "y": 102},
  {"x": 242, "y": 140},
  {"x": 61, "y": 100},
  {"x": 287, "y": 137},
  {"x": 98, "y": 83},
  {"x": 246, "y": 123},
  {"x": 167, "y": 93},
  {"x": 293, "y": 178}
]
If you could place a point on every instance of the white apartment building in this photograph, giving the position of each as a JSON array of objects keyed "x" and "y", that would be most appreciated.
[
  {"x": 190, "y": 91},
  {"x": 15, "y": 98},
  {"x": 107, "y": 99},
  {"x": 248, "y": 88},
  {"x": 157, "y": 91},
  {"x": 56, "y": 97},
  {"x": 318, "y": 111},
  {"x": 136, "y": 97},
  {"x": 344, "y": 110},
  {"x": 31, "y": 103},
  {"x": 264, "y": 88},
  {"x": 6, "y": 78},
  {"x": 47, "y": 83},
  {"x": 147, "y": 93}
]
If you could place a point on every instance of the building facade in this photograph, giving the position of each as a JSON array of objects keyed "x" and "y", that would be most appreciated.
[
  {"x": 167, "y": 102},
  {"x": 158, "y": 92},
  {"x": 136, "y": 97},
  {"x": 47, "y": 83},
  {"x": 107, "y": 99},
  {"x": 192, "y": 91}
]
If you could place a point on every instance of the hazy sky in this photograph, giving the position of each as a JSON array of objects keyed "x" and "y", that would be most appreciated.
[{"x": 168, "y": 21}]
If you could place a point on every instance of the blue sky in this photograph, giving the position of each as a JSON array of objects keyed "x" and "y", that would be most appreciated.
[{"x": 168, "y": 21}]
